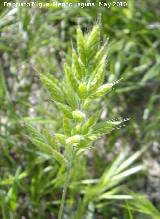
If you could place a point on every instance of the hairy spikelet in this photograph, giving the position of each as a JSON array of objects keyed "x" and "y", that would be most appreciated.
[
  {"x": 70, "y": 77},
  {"x": 90, "y": 122},
  {"x": 102, "y": 90},
  {"x": 105, "y": 127},
  {"x": 67, "y": 111},
  {"x": 81, "y": 46},
  {"x": 53, "y": 87},
  {"x": 78, "y": 115},
  {"x": 93, "y": 42},
  {"x": 67, "y": 126},
  {"x": 77, "y": 66},
  {"x": 82, "y": 90},
  {"x": 98, "y": 77}
]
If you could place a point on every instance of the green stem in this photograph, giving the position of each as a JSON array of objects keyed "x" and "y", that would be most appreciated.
[
  {"x": 66, "y": 184},
  {"x": 81, "y": 209},
  {"x": 3, "y": 212},
  {"x": 3, "y": 206}
]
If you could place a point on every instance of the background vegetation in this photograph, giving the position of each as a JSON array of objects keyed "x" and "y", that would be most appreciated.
[{"x": 36, "y": 41}]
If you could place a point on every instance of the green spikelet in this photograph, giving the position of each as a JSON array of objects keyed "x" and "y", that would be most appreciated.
[
  {"x": 77, "y": 66},
  {"x": 73, "y": 140},
  {"x": 67, "y": 126},
  {"x": 60, "y": 138},
  {"x": 70, "y": 95},
  {"x": 78, "y": 115},
  {"x": 67, "y": 111},
  {"x": 82, "y": 90},
  {"x": 103, "y": 90},
  {"x": 81, "y": 46},
  {"x": 101, "y": 54},
  {"x": 53, "y": 87},
  {"x": 70, "y": 77},
  {"x": 90, "y": 122},
  {"x": 104, "y": 127},
  {"x": 93, "y": 42},
  {"x": 98, "y": 77}
]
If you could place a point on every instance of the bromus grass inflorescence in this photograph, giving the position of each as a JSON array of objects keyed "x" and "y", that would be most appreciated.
[{"x": 76, "y": 96}]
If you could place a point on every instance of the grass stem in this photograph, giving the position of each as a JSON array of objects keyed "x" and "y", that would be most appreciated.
[{"x": 66, "y": 184}]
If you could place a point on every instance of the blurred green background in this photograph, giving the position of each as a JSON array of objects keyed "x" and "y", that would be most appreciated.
[{"x": 34, "y": 40}]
